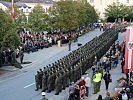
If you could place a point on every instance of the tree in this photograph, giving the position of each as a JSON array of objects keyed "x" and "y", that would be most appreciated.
[
  {"x": 8, "y": 31},
  {"x": 130, "y": 12},
  {"x": 91, "y": 13},
  {"x": 116, "y": 11},
  {"x": 123, "y": 11},
  {"x": 20, "y": 18},
  {"x": 38, "y": 19},
  {"x": 71, "y": 14},
  {"x": 11, "y": 40},
  {"x": 65, "y": 15}
]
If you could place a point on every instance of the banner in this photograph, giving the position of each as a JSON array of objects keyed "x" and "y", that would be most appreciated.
[
  {"x": 13, "y": 13},
  {"x": 129, "y": 49}
]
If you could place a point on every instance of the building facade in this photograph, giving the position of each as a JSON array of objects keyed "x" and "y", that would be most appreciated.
[
  {"x": 101, "y": 5},
  {"x": 23, "y": 7}
]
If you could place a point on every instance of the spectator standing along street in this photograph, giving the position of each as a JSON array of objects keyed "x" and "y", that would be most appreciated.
[
  {"x": 87, "y": 84},
  {"x": 107, "y": 96},
  {"x": 71, "y": 92},
  {"x": 107, "y": 78}
]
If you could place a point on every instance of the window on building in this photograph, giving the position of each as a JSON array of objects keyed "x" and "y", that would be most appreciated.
[
  {"x": 91, "y": 1},
  {"x": 27, "y": 11},
  {"x": 22, "y": 10},
  {"x": 117, "y": 1},
  {"x": 127, "y": 1}
]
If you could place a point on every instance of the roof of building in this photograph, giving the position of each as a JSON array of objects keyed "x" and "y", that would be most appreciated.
[
  {"x": 37, "y": 1},
  {"x": 8, "y": 4}
]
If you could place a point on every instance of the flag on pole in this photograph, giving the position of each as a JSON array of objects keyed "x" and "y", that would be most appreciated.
[
  {"x": 13, "y": 13},
  {"x": 129, "y": 49}
]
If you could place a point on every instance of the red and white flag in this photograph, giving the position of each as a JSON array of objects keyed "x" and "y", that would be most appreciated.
[
  {"x": 129, "y": 49},
  {"x": 13, "y": 13},
  {"x": 82, "y": 92}
]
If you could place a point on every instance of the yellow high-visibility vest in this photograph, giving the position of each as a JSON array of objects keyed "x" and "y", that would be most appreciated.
[{"x": 98, "y": 77}]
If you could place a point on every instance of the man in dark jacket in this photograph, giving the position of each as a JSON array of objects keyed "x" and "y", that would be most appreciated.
[{"x": 107, "y": 78}]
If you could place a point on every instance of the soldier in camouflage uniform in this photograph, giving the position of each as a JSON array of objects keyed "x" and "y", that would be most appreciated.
[
  {"x": 37, "y": 81},
  {"x": 58, "y": 84},
  {"x": 44, "y": 83}
]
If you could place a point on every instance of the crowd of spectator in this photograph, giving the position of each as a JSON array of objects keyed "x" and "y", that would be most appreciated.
[
  {"x": 34, "y": 41},
  {"x": 107, "y": 62}
]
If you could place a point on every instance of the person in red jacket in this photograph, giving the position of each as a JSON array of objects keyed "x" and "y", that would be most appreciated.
[{"x": 82, "y": 82}]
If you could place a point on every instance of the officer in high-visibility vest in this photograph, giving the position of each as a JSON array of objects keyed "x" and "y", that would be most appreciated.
[{"x": 97, "y": 81}]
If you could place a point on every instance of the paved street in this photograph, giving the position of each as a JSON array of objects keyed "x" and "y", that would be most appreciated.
[{"x": 18, "y": 84}]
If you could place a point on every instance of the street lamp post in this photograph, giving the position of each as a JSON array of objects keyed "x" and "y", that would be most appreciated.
[{"x": 79, "y": 45}]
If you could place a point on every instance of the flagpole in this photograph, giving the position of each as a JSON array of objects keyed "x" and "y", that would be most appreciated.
[{"x": 13, "y": 13}]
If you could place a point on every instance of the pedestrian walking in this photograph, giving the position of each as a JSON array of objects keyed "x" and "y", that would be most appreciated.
[
  {"x": 44, "y": 96},
  {"x": 107, "y": 79},
  {"x": 87, "y": 84}
]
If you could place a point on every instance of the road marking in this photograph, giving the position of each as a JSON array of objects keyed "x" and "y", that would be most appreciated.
[{"x": 29, "y": 85}]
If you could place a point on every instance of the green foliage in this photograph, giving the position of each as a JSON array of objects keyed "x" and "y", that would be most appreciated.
[
  {"x": 8, "y": 31},
  {"x": 11, "y": 40},
  {"x": 116, "y": 11},
  {"x": 130, "y": 12},
  {"x": 71, "y": 14},
  {"x": 38, "y": 19},
  {"x": 64, "y": 14},
  {"x": 20, "y": 18}
]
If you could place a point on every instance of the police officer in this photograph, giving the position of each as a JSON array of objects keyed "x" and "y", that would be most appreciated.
[{"x": 97, "y": 81}]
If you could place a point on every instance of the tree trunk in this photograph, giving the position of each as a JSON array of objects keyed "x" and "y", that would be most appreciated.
[
  {"x": 123, "y": 19},
  {"x": 130, "y": 20}
]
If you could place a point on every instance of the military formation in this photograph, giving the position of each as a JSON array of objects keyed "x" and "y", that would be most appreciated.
[{"x": 57, "y": 76}]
